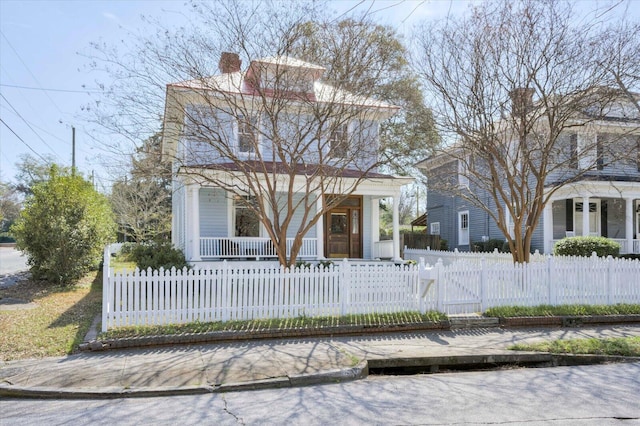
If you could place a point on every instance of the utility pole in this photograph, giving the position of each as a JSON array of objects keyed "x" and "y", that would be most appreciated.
[{"x": 73, "y": 150}]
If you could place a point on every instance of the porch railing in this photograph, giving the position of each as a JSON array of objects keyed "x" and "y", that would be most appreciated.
[{"x": 251, "y": 247}]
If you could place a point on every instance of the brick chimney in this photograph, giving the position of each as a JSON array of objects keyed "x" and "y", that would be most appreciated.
[
  {"x": 229, "y": 62},
  {"x": 521, "y": 100}
]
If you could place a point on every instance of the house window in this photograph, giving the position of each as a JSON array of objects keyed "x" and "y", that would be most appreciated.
[
  {"x": 246, "y": 222},
  {"x": 247, "y": 140},
  {"x": 508, "y": 220},
  {"x": 338, "y": 141},
  {"x": 463, "y": 228},
  {"x": 463, "y": 176},
  {"x": 573, "y": 150},
  {"x": 435, "y": 228},
  {"x": 638, "y": 154},
  {"x": 600, "y": 144}
]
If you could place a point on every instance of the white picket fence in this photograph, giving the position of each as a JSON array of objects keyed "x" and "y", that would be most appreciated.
[
  {"x": 466, "y": 287},
  {"x": 449, "y": 257},
  {"x": 243, "y": 291}
]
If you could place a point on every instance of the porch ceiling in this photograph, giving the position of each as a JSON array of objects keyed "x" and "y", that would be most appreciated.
[{"x": 604, "y": 189}]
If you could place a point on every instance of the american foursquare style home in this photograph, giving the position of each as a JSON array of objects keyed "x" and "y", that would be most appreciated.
[
  {"x": 601, "y": 196},
  {"x": 256, "y": 136}
]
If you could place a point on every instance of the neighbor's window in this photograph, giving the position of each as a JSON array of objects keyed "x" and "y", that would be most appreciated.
[
  {"x": 463, "y": 174},
  {"x": 435, "y": 228},
  {"x": 573, "y": 151}
]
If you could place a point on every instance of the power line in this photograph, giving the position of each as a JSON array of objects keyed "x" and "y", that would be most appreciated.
[
  {"x": 92, "y": 90},
  {"x": 42, "y": 129},
  {"x": 22, "y": 140},
  {"x": 27, "y": 68},
  {"x": 29, "y": 125}
]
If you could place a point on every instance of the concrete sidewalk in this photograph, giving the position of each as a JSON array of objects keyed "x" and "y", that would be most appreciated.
[{"x": 225, "y": 367}]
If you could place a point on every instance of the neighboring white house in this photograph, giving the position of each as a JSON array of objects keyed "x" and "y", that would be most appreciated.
[
  {"x": 599, "y": 192},
  {"x": 216, "y": 128}
]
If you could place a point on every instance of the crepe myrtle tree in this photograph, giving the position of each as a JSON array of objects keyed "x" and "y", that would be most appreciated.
[
  {"x": 508, "y": 83},
  {"x": 322, "y": 136}
]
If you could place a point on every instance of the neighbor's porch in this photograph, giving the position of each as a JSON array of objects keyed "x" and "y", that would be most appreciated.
[{"x": 600, "y": 210}]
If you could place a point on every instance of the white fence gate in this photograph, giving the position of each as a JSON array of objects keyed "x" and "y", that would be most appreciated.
[{"x": 466, "y": 287}]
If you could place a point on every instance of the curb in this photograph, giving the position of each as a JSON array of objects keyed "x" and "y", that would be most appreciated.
[
  {"x": 568, "y": 321},
  {"x": 357, "y": 372},
  {"x": 360, "y": 371}
]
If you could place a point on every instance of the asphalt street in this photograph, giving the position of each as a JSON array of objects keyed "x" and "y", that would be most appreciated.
[
  {"x": 586, "y": 395},
  {"x": 11, "y": 261}
]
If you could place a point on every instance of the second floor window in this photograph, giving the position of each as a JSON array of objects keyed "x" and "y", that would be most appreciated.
[
  {"x": 573, "y": 151},
  {"x": 247, "y": 138},
  {"x": 463, "y": 174},
  {"x": 339, "y": 142},
  {"x": 638, "y": 154}
]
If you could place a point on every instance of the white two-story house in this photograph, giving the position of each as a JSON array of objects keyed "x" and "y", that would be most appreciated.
[
  {"x": 270, "y": 159},
  {"x": 596, "y": 188}
]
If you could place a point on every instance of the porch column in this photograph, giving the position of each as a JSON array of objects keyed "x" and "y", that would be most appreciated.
[
  {"x": 547, "y": 221},
  {"x": 375, "y": 227},
  {"x": 319, "y": 231},
  {"x": 194, "y": 228},
  {"x": 628, "y": 225},
  {"x": 585, "y": 216},
  {"x": 396, "y": 227}
]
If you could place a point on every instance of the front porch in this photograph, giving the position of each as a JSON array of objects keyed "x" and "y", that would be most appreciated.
[
  {"x": 213, "y": 225},
  {"x": 601, "y": 210}
]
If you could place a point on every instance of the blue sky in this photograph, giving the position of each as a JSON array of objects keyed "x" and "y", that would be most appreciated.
[{"x": 40, "y": 42}]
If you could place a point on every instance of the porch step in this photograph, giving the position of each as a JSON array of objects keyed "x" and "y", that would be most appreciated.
[{"x": 473, "y": 321}]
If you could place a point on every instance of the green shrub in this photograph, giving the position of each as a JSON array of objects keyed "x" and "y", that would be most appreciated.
[
  {"x": 64, "y": 227},
  {"x": 324, "y": 264},
  {"x": 585, "y": 246},
  {"x": 489, "y": 246},
  {"x": 630, "y": 256},
  {"x": 155, "y": 255},
  {"x": 444, "y": 245},
  {"x": 302, "y": 264}
]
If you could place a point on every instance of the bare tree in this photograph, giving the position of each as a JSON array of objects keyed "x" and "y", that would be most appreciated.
[
  {"x": 300, "y": 138},
  {"x": 141, "y": 201},
  {"x": 508, "y": 83}
]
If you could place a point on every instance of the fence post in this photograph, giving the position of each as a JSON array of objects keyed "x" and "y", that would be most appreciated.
[
  {"x": 483, "y": 282},
  {"x": 421, "y": 267},
  {"x": 439, "y": 285},
  {"x": 553, "y": 295},
  {"x": 609, "y": 278},
  {"x": 106, "y": 290},
  {"x": 345, "y": 287}
]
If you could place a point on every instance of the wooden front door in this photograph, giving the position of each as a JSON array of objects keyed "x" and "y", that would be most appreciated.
[{"x": 343, "y": 236}]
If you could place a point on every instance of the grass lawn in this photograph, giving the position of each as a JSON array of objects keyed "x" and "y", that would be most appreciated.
[
  {"x": 562, "y": 310},
  {"x": 625, "y": 346},
  {"x": 301, "y": 322},
  {"x": 56, "y": 326}
]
